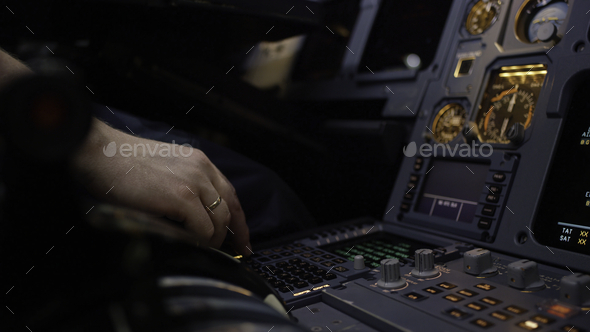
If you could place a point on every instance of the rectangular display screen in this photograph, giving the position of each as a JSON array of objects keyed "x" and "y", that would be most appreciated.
[
  {"x": 563, "y": 220},
  {"x": 452, "y": 189}
]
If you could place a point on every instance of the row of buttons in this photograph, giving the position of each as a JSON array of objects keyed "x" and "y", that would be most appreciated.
[
  {"x": 409, "y": 196},
  {"x": 492, "y": 197}
]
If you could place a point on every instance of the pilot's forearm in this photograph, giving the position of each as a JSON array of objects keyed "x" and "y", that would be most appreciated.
[{"x": 11, "y": 68}]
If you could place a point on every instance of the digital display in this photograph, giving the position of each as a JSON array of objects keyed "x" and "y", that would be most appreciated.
[
  {"x": 563, "y": 219},
  {"x": 452, "y": 189}
]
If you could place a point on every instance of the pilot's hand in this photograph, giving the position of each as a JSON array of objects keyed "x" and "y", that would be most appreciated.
[{"x": 179, "y": 188}]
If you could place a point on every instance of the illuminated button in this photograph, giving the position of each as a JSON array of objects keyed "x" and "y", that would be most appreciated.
[
  {"x": 307, "y": 255},
  {"x": 571, "y": 328},
  {"x": 495, "y": 189},
  {"x": 414, "y": 178},
  {"x": 328, "y": 256},
  {"x": 500, "y": 315},
  {"x": 419, "y": 160},
  {"x": 499, "y": 177},
  {"x": 446, "y": 285},
  {"x": 482, "y": 323},
  {"x": 317, "y": 252},
  {"x": 453, "y": 298},
  {"x": 339, "y": 260},
  {"x": 467, "y": 292},
  {"x": 542, "y": 319},
  {"x": 417, "y": 167},
  {"x": 457, "y": 313},
  {"x": 490, "y": 300},
  {"x": 515, "y": 310},
  {"x": 316, "y": 259},
  {"x": 561, "y": 311},
  {"x": 409, "y": 196},
  {"x": 277, "y": 249},
  {"x": 328, "y": 264},
  {"x": 432, "y": 290},
  {"x": 415, "y": 296},
  {"x": 488, "y": 210},
  {"x": 340, "y": 269},
  {"x": 528, "y": 325},
  {"x": 484, "y": 223},
  {"x": 476, "y": 306},
  {"x": 492, "y": 198},
  {"x": 485, "y": 287}
]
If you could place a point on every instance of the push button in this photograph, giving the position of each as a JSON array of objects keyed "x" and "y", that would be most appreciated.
[
  {"x": 476, "y": 306},
  {"x": 467, "y": 293},
  {"x": 484, "y": 324},
  {"x": 495, "y": 189},
  {"x": 571, "y": 328},
  {"x": 485, "y": 287},
  {"x": 528, "y": 325},
  {"x": 492, "y": 198},
  {"x": 453, "y": 298},
  {"x": 404, "y": 207},
  {"x": 515, "y": 310},
  {"x": 499, "y": 177},
  {"x": 490, "y": 301},
  {"x": 484, "y": 223},
  {"x": 409, "y": 196},
  {"x": 414, "y": 296},
  {"x": 446, "y": 285},
  {"x": 488, "y": 210},
  {"x": 542, "y": 319},
  {"x": 432, "y": 290},
  {"x": 340, "y": 269},
  {"x": 500, "y": 315},
  {"x": 457, "y": 313},
  {"x": 414, "y": 178}
]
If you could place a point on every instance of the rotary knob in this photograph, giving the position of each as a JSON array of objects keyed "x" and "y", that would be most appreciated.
[
  {"x": 524, "y": 275},
  {"x": 390, "y": 275},
  {"x": 424, "y": 264},
  {"x": 575, "y": 289},
  {"x": 478, "y": 262},
  {"x": 359, "y": 262}
]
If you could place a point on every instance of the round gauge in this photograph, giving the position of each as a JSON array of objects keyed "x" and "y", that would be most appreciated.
[
  {"x": 448, "y": 123},
  {"x": 482, "y": 16},
  {"x": 539, "y": 20},
  {"x": 508, "y": 108}
]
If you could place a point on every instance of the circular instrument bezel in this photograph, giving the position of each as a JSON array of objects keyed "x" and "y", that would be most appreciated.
[
  {"x": 439, "y": 115},
  {"x": 495, "y": 3},
  {"x": 525, "y": 14}
]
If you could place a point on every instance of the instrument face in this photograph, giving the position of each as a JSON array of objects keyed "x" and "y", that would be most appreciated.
[
  {"x": 482, "y": 16},
  {"x": 509, "y": 99},
  {"x": 448, "y": 123},
  {"x": 540, "y": 19}
]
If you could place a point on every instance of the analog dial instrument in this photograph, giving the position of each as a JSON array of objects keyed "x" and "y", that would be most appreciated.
[
  {"x": 509, "y": 102},
  {"x": 448, "y": 123},
  {"x": 482, "y": 16},
  {"x": 539, "y": 20}
]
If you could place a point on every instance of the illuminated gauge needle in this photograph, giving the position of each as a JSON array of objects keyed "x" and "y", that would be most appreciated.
[
  {"x": 512, "y": 100},
  {"x": 488, "y": 7}
]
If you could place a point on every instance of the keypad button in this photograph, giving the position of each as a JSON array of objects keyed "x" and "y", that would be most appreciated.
[
  {"x": 329, "y": 276},
  {"x": 476, "y": 306},
  {"x": 446, "y": 285},
  {"x": 311, "y": 268},
  {"x": 467, "y": 292},
  {"x": 528, "y": 325},
  {"x": 277, "y": 283},
  {"x": 484, "y": 324},
  {"x": 316, "y": 259},
  {"x": 298, "y": 244},
  {"x": 490, "y": 300},
  {"x": 297, "y": 251},
  {"x": 291, "y": 280},
  {"x": 275, "y": 256},
  {"x": 515, "y": 310},
  {"x": 266, "y": 252},
  {"x": 328, "y": 264},
  {"x": 294, "y": 260},
  {"x": 492, "y": 198},
  {"x": 317, "y": 252},
  {"x": 263, "y": 260},
  {"x": 495, "y": 189},
  {"x": 287, "y": 253},
  {"x": 281, "y": 264},
  {"x": 500, "y": 315},
  {"x": 302, "y": 265},
  {"x": 542, "y": 319},
  {"x": 453, "y": 298},
  {"x": 298, "y": 272},
  {"x": 488, "y": 210},
  {"x": 277, "y": 249},
  {"x": 485, "y": 287},
  {"x": 286, "y": 289},
  {"x": 307, "y": 255},
  {"x": 306, "y": 276},
  {"x": 307, "y": 248},
  {"x": 319, "y": 272},
  {"x": 339, "y": 260},
  {"x": 283, "y": 275},
  {"x": 484, "y": 223},
  {"x": 289, "y": 268},
  {"x": 315, "y": 280},
  {"x": 432, "y": 290},
  {"x": 340, "y": 269},
  {"x": 499, "y": 177},
  {"x": 414, "y": 296},
  {"x": 301, "y": 284},
  {"x": 457, "y": 313},
  {"x": 409, "y": 196},
  {"x": 414, "y": 178}
]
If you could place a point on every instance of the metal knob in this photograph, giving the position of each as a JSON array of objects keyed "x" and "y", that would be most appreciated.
[
  {"x": 390, "y": 275},
  {"x": 478, "y": 262},
  {"x": 524, "y": 274},
  {"x": 359, "y": 262},
  {"x": 424, "y": 264}
]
